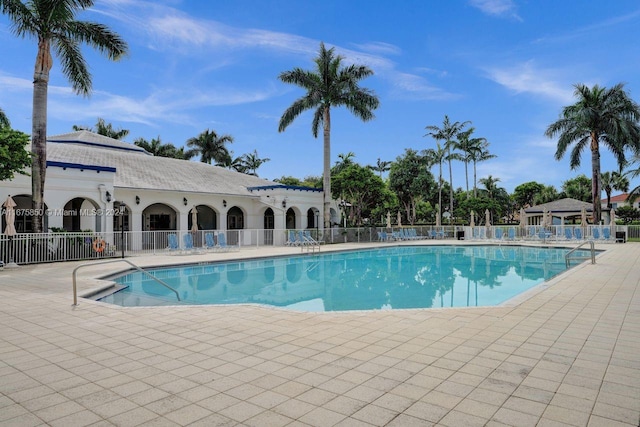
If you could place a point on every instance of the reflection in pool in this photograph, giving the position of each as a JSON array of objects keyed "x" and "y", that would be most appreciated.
[{"x": 384, "y": 278}]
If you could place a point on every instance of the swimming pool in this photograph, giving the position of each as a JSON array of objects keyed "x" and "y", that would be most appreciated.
[{"x": 373, "y": 279}]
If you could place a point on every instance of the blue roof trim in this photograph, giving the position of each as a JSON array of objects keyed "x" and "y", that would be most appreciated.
[
  {"x": 95, "y": 144},
  {"x": 81, "y": 166},
  {"x": 284, "y": 187}
]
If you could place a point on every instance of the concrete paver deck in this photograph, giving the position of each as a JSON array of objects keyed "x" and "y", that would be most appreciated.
[{"x": 566, "y": 354}]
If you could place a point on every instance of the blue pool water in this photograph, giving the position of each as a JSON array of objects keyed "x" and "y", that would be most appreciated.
[{"x": 385, "y": 278}]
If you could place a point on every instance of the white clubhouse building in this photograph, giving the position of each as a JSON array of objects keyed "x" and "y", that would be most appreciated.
[{"x": 90, "y": 177}]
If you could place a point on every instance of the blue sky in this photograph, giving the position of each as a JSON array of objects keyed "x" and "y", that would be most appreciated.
[{"x": 507, "y": 66}]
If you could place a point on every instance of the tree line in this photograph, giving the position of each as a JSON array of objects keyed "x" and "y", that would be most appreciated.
[{"x": 211, "y": 147}]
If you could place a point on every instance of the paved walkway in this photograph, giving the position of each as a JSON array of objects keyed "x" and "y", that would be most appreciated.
[{"x": 568, "y": 354}]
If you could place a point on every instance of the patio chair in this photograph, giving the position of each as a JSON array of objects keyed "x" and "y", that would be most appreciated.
[
  {"x": 209, "y": 242},
  {"x": 568, "y": 233},
  {"x": 188, "y": 242},
  {"x": 577, "y": 233},
  {"x": 172, "y": 240},
  {"x": 606, "y": 233},
  {"x": 595, "y": 233},
  {"x": 511, "y": 234},
  {"x": 499, "y": 233},
  {"x": 292, "y": 239},
  {"x": 222, "y": 242},
  {"x": 307, "y": 238}
]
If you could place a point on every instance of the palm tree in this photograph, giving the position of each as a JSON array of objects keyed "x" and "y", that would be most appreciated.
[
  {"x": 106, "y": 129},
  {"x": 601, "y": 115},
  {"x": 479, "y": 153},
  {"x": 437, "y": 156},
  {"x": 613, "y": 181},
  {"x": 470, "y": 148},
  {"x": 329, "y": 85},
  {"x": 154, "y": 146},
  {"x": 447, "y": 133},
  {"x": 232, "y": 163},
  {"x": 381, "y": 167},
  {"x": 210, "y": 146},
  {"x": 54, "y": 25},
  {"x": 345, "y": 160},
  {"x": 4, "y": 120},
  {"x": 252, "y": 162}
]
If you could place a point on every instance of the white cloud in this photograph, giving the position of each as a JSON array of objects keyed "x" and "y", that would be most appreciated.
[
  {"x": 418, "y": 88},
  {"x": 169, "y": 28},
  {"x": 500, "y": 8},
  {"x": 379, "y": 47},
  {"x": 527, "y": 78}
]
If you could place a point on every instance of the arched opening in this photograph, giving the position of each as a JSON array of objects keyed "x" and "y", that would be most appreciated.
[
  {"x": 335, "y": 216},
  {"x": 24, "y": 219},
  {"x": 207, "y": 218},
  {"x": 313, "y": 218},
  {"x": 78, "y": 215},
  {"x": 158, "y": 217},
  {"x": 235, "y": 221},
  {"x": 269, "y": 225},
  {"x": 290, "y": 219}
]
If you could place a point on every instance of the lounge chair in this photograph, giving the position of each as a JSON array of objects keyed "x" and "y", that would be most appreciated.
[
  {"x": 292, "y": 240},
  {"x": 595, "y": 233},
  {"x": 172, "y": 240},
  {"x": 606, "y": 233},
  {"x": 568, "y": 233},
  {"x": 222, "y": 242},
  {"x": 577, "y": 233},
  {"x": 499, "y": 233},
  {"x": 306, "y": 235},
  {"x": 188, "y": 242},
  {"x": 511, "y": 234},
  {"x": 209, "y": 242}
]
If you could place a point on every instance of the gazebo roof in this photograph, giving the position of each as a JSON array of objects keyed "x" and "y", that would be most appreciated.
[{"x": 566, "y": 205}]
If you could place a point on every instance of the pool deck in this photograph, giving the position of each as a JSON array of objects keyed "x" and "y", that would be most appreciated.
[{"x": 566, "y": 353}]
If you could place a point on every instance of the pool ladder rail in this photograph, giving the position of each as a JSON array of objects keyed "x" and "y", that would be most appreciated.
[
  {"x": 75, "y": 270},
  {"x": 568, "y": 257}
]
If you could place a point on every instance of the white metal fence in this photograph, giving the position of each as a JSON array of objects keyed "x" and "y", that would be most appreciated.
[{"x": 49, "y": 247}]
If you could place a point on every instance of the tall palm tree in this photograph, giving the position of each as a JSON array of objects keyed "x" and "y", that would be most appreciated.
[
  {"x": 479, "y": 153},
  {"x": 54, "y": 25},
  {"x": 252, "y": 162},
  {"x": 448, "y": 133},
  {"x": 381, "y": 167},
  {"x": 437, "y": 156},
  {"x": 329, "y": 85},
  {"x": 104, "y": 128},
  {"x": 613, "y": 181},
  {"x": 210, "y": 146},
  {"x": 470, "y": 148},
  {"x": 601, "y": 115},
  {"x": 4, "y": 120}
]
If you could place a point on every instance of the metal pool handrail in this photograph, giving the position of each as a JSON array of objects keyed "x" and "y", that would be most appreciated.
[
  {"x": 75, "y": 291},
  {"x": 568, "y": 257}
]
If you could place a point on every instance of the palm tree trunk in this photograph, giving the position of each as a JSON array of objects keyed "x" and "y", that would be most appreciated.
[
  {"x": 595, "y": 178},
  {"x": 326, "y": 172},
  {"x": 450, "y": 187},
  {"x": 475, "y": 189},
  {"x": 440, "y": 194},
  {"x": 39, "y": 131},
  {"x": 466, "y": 174}
]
